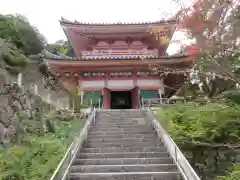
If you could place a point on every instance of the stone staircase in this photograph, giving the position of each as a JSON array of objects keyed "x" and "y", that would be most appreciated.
[{"x": 122, "y": 145}]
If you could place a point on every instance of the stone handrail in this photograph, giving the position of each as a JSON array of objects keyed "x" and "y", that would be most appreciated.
[
  {"x": 184, "y": 167},
  {"x": 62, "y": 170}
]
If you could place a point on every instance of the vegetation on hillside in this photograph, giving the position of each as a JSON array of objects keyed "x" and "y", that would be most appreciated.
[
  {"x": 39, "y": 155},
  {"x": 207, "y": 133},
  {"x": 33, "y": 135},
  {"x": 18, "y": 41}
]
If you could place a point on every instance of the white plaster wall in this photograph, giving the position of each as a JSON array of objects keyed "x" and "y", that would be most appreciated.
[
  {"x": 93, "y": 84},
  {"x": 149, "y": 82},
  {"x": 120, "y": 83}
]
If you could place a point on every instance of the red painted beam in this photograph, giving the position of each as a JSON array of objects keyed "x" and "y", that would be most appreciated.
[{"x": 117, "y": 63}]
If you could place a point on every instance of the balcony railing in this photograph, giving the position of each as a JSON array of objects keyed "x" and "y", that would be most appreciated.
[{"x": 116, "y": 53}]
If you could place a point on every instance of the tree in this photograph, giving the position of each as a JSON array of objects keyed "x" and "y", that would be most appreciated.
[
  {"x": 17, "y": 30},
  {"x": 19, "y": 42},
  {"x": 11, "y": 58},
  {"x": 215, "y": 26},
  {"x": 60, "y": 47}
]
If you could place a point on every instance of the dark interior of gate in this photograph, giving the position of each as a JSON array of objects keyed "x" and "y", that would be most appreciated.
[{"x": 121, "y": 100}]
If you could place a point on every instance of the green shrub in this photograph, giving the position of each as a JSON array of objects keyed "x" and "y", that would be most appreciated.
[
  {"x": 207, "y": 134},
  {"x": 38, "y": 156},
  {"x": 35, "y": 160},
  {"x": 234, "y": 175},
  {"x": 211, "y": 123}
]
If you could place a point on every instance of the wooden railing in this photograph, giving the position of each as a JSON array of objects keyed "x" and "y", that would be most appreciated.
[{"x": 113, "y": 53}]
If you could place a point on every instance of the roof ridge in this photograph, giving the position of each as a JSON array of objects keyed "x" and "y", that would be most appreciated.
[{"x": 66, "y": 21}]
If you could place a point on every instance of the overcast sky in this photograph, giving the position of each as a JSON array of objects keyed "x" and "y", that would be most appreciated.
[{"x": 45, "y": 14}]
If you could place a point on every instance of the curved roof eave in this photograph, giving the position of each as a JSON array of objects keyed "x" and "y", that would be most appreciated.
[{"x": 117, "y": 23}]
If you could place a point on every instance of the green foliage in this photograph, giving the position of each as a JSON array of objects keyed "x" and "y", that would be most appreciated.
[
  {"x": 74, "y": 100},
  {"x": 35, "y": 160},
  {"x": 14, "y": 58},
  {"x": 60, "y": 47},
  {"x": 17, "y": 29},
  {"x": 18, "y": 40},
  {"x": 38, "y": 156},
  {"x": 210, "y": 123},
  {"x": 234, "y": 175},
  {"x": 208, "y": 134},
  {"x": 11, "y": 59}
]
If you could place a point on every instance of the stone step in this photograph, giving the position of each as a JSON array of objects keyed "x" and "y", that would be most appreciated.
[
  {"x": 117, "y": 161},
  {"x": 126, "y": 176},
  {"x": 119, "y": 149},
  {"x": 116, "y": 128},
  {"x": 124, "y": 136},
  {"x": 107, "y": 119},
  {"x": 113, "y": 140},
  {"x": 121, "y": 131},
  {"x": 111, "y": 123},
  {"x": 122, "y": 155},
  {"x": 121, "y": 144},
  {"x": 124, "y": 168},
  {"x": 120, "y": 116},
  {"x": 117, "y": 134},
  {"x": 121, "y": 126},
  {"x": 124, "y": 113},
  {"x": 121, "y": 122},
  {"x": 119, "y": 119}
]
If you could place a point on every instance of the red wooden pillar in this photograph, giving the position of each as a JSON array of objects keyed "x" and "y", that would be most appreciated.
[
  {"x": 135, "y": 98},
  {"x": 106, "y": 98}
]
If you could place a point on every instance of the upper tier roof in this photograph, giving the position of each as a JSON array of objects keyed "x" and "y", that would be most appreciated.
[
  {"x": 65, "y": 21},
  {"x": 85, "y": 35}
]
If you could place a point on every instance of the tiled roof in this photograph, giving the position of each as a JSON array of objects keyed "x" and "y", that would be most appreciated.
[
  {"x": 113, "y": 58},
  {"x": 63, "y": 20}
]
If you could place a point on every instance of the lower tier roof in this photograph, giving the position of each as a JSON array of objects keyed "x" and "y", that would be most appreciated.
[{"x": 107, "y": 63}]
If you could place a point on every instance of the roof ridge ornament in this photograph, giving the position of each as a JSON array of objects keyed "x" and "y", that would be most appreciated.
[{"x": 64, "y": 20}]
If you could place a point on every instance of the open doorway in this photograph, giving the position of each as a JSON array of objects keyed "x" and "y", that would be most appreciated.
[{"x": 121, "y": 100}]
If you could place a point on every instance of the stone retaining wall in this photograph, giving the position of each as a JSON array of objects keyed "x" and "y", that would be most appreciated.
[{"x": 22, "y": 95}]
